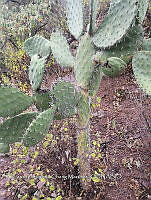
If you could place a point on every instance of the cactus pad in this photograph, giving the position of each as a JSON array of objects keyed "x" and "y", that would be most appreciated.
[
  {"x": 142, "y": 9},
  {"x": 74, "y": 12},
  {"x": 37, "y": 45},
  {"x": 141, "y": 64},
  {"x": 116, "y": 24},
  {"x": 130, "y": 44},
  {"x": 38, "y": 128},
  {"x": 13, "y": 101},
  {"x": 4, "y": 148},
  {"x": 36, "y": 71},
  {"x": 66, "y": 99},
  {"x": 112, "y": 4},
  {"x": 147, "y": 44},
  {"x": 43, "y": 100},
  {"x": 60, "y": 50},
  {"x": 115, "y": 66},
  {"x": 13, "y": 129},
  {"x": 84, "y": 61}
]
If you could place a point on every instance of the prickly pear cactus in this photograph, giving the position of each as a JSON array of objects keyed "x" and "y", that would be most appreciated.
[
  {"x": 114, "y": 67},
  {"x": 118, "y": 38},
  {"x": 60, "y": 50},
  {"x": 43, "y": 100},
  {"x": 74, "y": 12},
  {"x": 38, "y": 48},
  {"x": 142, "y": 9},
  {"x": 66, "y": 99},
  {"x": 37, "y": 45},
  {"x": 129, "y": 45},
  {"x": 147, "y": 44},
  {"x": 13, "y": 129},
  {"x": 36, "y": 70},
  {"x": 110, "y": 66},
  {"x": 4, "y": 148},
  {"x": 84, "y": 61},
  {"x": 13, "y": 102},
  {"x": 115, "y": 25},
  {"x": 94, "y": 6},
  {"x": 38, "y": 128},
  {"x": 141, "y": 64}
]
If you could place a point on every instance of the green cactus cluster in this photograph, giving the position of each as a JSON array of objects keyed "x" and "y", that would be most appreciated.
[
  {"x": 31, "y": 127},
  {"x": 102, "y": 50},
  {"x": 118, "y": 36}
]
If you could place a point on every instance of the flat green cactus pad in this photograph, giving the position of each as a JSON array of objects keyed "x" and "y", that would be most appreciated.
[
  {"x": 13, "y": 129},
  {"x": 66, "y": 99},
  {"x": 36, "y": 71},
  {"x": 114, "y": 67},
  {"x": 37, "y": 45},
  {"x": 38, "y": 128},
  {"x": 129, "y": 45},
  {"x": 142, "y": 9},
  {"x": 4, "y": 148},
  {"x": 60, "y": 50},
  {"x": 74, "y": 12},
  {"x": 141, "y": 64},
  {"x": 116, "y": 24},
  {"x": 43, "y": 101},
  {"x": 112, "y": 4},
  {"x": 84, "y": 61},
  {"x": 147, "y": 44},
  {"x": 13, "y": 101}
]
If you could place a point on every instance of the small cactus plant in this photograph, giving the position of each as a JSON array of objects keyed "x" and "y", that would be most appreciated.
[{"x": 118, "y": 39}]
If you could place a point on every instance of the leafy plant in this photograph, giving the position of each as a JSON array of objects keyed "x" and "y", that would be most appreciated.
[
  {"x": 23, "y": 20},
  {"x": 118, "y": 39}
]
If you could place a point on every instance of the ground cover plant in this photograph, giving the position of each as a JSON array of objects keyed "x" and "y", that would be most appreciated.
[
  {"x": 117, "y": 45},
  {"x": 18, "y": 21}
]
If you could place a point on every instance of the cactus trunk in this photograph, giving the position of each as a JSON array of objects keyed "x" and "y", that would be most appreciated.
[{"x": 83, "y": 141}]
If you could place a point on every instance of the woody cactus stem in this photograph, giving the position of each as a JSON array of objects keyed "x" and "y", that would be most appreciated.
[{"x": 83, "y": 141}]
